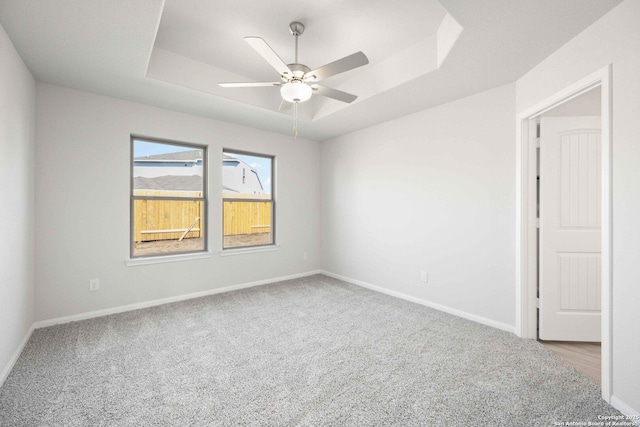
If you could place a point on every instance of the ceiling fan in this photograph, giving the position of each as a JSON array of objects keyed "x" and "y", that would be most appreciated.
[{"x": 299, "y": 82}]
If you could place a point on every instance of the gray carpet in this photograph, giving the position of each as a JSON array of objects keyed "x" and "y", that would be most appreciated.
[{"x": 307, "y": 352}]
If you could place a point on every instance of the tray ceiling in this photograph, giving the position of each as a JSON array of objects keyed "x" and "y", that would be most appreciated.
[{"x": 171, "y": 54}]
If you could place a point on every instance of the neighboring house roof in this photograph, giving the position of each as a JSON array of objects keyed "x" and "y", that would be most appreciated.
[
  {"x": 169, "y": 183},
  {"x": 142, "y": 183},
  {"x": 191, "y": 155}
]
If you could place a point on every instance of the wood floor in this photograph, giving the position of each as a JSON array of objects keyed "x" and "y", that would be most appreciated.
[{"x": 584, "y": 356}]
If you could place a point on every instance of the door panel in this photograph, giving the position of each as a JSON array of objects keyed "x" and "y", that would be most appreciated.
[
  {"x": 570, "y": 213},
  {"x": 580, "y": 196},
  {"x": 579, "y": 282}
]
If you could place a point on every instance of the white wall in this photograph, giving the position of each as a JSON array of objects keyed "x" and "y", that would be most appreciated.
[
  {"x": 614, "y": 39},
  {"x": 82, "y": 220},
  {"x": 433, "y": 191},
  {"x": 17, "y": 125}
]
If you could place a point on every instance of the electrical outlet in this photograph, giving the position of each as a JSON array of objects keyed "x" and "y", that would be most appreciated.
[
  {"x": 424, "y": 277},
  {"x": 94, "y": 285}
]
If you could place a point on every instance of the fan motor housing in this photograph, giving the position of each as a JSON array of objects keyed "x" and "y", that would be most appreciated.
[{"x": 299, "y": 70}]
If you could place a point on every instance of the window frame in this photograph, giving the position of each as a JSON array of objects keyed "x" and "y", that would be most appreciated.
[
  {"x": 204, "y": 199},
  {"x": 272, "y": 157}
]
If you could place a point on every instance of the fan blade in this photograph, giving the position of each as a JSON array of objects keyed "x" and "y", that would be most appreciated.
[
  {"x": 334, "y": 93},
  {"x": 347, "y": 63},
  {"x": 269, "y": 55},
  {"x": 250, "y": 84},
  {"x": 284, "y": 105}
]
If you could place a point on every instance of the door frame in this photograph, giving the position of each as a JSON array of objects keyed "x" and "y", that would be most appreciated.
[{"x": 526, "y": 241}]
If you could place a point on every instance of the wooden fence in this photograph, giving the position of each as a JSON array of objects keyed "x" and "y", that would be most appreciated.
[
  {"x": 242, "y": 217},
  {"x": 167, "y": 219},
  {"x": 170, "y": 219}
]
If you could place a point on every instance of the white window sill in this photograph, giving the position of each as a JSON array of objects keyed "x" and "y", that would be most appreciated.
[
  {"x": 242, "y": 251},
  {"x": 166, "y": 258}
]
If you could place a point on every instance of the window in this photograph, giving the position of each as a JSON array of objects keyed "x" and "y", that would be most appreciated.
[
  {"x": 247, "y": 199},
  {"x": 168, "y": 198}
]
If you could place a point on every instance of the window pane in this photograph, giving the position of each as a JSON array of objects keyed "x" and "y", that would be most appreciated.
[
  {"x": 247, "y": 200},
  {"x": 162, "y": 172},
  {"x": 159, "y": 226},
  {"x": 247, "y": 223}
]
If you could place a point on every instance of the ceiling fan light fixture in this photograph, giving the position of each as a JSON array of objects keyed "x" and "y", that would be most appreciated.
[
  {"x": 296, "y": 91},
  {"x": 298, "y": 80}
]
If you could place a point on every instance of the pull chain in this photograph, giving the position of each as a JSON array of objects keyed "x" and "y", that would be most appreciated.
[{"x": 295, "y": 119}]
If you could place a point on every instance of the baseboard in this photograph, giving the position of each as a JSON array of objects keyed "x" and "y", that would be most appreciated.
[
  {"x": 7, "y": 369},
  {"x": 440, "y": 307},
  {"x": 152, "y": 303},
  {"x": 626, "y": 410}
]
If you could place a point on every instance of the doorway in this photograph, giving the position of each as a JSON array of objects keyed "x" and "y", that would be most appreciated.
[
  {"x": 569, "y": 200},
  {"x": 528, "y": 260}
]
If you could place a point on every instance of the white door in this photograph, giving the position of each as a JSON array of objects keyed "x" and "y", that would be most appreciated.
[{"x": 570, "y": 217}]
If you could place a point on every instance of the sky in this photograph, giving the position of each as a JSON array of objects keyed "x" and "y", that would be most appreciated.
[
  {"x": 143, "y": 148},
  {"x": 261, "y": 165}
]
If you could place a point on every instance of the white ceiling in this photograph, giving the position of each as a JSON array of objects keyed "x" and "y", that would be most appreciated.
[{"x": 172, "y": 53}]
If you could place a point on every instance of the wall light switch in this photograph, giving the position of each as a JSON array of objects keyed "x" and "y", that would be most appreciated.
[{"x": 424, "y": 277}]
